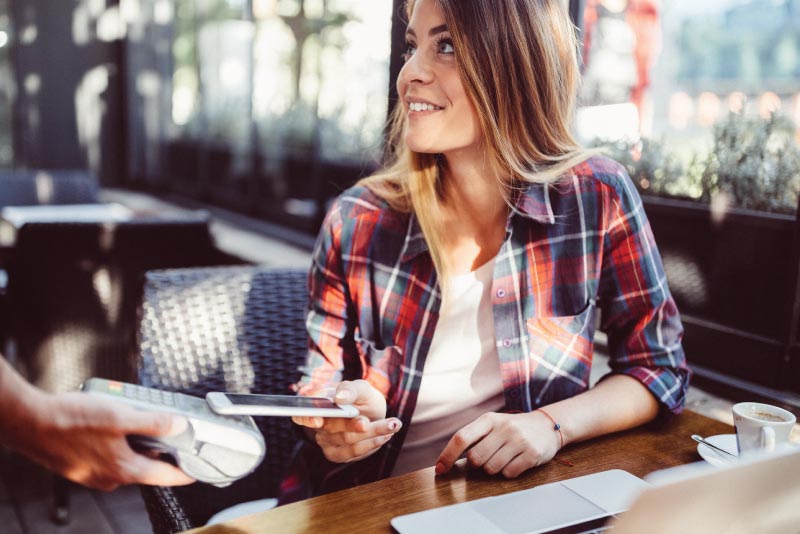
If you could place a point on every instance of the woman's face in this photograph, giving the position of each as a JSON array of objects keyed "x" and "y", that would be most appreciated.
[{"x": 441, "y": 118}]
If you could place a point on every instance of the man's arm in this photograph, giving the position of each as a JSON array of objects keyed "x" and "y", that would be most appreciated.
[{"x": 82, "y": 438}]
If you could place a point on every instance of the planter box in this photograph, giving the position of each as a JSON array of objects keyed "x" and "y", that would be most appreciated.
[{"x": 734, "y": 282}]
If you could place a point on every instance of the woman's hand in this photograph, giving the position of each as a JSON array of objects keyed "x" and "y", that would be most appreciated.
[
  {"x": 348, "y": 440},
  {"x": 502, "y": 443}
]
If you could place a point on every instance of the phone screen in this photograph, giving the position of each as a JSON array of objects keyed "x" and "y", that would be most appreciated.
[{"x": 287, "y": 401}]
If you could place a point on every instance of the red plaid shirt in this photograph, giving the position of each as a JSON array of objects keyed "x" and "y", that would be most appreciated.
[{"x": 572, "y": 247}]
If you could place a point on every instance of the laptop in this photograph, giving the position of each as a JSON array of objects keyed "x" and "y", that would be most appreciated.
[{"x": 759, "y": 494}]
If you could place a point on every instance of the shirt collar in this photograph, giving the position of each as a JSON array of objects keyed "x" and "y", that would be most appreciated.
[
  {"x": 415, "y": 241},
  {"x": 533, "y": 202}
]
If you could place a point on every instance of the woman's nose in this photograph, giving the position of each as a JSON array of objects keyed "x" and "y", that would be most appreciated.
[{"x": 416, "y": 70}]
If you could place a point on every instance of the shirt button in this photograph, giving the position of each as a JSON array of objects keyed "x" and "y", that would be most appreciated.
[
  {"x": 506, "y": 343},
  {"x": 501, "y": 293}
]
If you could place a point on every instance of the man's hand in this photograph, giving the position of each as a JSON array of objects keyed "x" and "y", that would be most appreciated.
[
  {"x": 83, "y": 439},
  {"x": 348, "y": 440},
  {"x": 502, "y": 443}
]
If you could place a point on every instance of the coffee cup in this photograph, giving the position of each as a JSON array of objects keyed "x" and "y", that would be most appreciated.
[{"x": 761, "y": 427}]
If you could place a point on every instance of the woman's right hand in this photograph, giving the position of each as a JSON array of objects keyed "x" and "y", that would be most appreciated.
[{"x": 348, "y": 440}]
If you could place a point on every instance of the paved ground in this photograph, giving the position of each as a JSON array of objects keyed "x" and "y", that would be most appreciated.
[{"x": 25, "y": 489}]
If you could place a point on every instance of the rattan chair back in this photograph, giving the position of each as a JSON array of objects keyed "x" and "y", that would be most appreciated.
[
  {"x": 239, "y": 329},
  {"x": 31, "y": 187}
]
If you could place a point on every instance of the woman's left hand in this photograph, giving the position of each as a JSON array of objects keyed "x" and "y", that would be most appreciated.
[{"x": 502, "y": 443}]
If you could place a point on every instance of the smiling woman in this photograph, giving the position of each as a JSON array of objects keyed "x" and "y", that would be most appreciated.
[
  {"x": 441, "y": 117},
  {"x": 454, "y": 294}
]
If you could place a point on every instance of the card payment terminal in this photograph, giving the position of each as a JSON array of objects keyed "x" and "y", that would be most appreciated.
[{"x": 216, "y": 449}]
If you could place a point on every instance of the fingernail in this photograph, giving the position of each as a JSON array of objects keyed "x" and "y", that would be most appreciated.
[
  {"x": 395, "y": 425},
  {"x": 439, "y": 469},
  {"x": 341, "y": 395},
  {"x": 179, "y": 425}
]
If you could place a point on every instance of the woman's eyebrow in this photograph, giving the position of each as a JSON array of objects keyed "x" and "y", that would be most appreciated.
[
  {"x": 433, "y": 31},
  {"x": 437, "y": 29}
]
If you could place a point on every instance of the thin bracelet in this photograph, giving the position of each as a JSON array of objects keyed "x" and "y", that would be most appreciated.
[{"x": 556, "y": 427}]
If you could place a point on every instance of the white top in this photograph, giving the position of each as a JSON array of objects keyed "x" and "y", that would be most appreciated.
[{"x": 461, "y": 378}]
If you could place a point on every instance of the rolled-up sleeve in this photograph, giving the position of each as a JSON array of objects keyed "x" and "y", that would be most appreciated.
[{"x": 639, "y": 314}]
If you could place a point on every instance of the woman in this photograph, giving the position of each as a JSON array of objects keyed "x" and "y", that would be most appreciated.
[{"x": 454, "y": 296}]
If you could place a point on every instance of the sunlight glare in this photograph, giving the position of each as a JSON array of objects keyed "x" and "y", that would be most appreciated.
[
  {"x": 90, "y": 109},
  {"x": 110, "y": 26},
  {"x": 131, "y": 10},
  {"x": 28, "y": 34},
  {"x": 232, "y": 73},
  {"x": 44, "y": 187},
  {"x": 32, "y": 83},
  {"x": 163, "y": 12},
  {"x": 314, "y": 9},
  {"x": 612, "y": 122},
  {"x": 95, "y": 8},
  {"x": 182, "y": 105},
  {"x": 263, "y": 9}
]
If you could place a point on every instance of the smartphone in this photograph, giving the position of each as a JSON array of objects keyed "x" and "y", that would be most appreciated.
[{"x": 283, "y": 405}]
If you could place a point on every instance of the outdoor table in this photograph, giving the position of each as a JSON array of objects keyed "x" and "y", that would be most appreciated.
[
  {"x": 370, "y": 507},
  {"x": 75, "y": 277},
  {"x": 13, "y": 218}
]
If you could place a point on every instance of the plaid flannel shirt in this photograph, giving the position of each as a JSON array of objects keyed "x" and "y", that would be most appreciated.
[{"x": 578, "y": 245}]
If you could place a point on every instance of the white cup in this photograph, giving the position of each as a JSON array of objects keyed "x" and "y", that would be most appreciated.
[{"x": 761, "y": 427}]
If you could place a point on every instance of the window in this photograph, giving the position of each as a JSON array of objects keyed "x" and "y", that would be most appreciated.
[
  {"x": 670, "y": 73},
  {"x": 273, "y": 104},
  {"x": 7, "y": 89}
]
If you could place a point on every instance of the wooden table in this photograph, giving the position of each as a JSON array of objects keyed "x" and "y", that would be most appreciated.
[{"x": 370, "y": 507}]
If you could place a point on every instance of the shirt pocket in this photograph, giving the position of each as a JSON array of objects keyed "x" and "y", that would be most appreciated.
[
  {"x": 382, "y": 365},
  {"x": 560, "y": 351}
]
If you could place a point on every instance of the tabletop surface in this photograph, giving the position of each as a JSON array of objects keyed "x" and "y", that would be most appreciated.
[
  {"x": 19, "y": 215},
  {"x": 370, "y": 507},
  {"x": 99, "y": 213},
  {"x": 108, "y": 215}
]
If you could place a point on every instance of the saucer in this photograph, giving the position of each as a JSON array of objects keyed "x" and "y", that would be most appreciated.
[{"x": 723, "y": 441}]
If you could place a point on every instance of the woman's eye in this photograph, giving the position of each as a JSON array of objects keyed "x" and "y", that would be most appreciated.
[
  {"x": 445, "y": 47},
  {"x": 410, "y": 50}
]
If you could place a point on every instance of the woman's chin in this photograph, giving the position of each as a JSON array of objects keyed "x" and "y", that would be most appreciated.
[{"x": 422, "y": 146}]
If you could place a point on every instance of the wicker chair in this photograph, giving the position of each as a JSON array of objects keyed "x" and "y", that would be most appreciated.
[
  {"x": 236, "y": 329},
  {"x": 74, "y": 289},
  {"x": 30, "y": 187}
]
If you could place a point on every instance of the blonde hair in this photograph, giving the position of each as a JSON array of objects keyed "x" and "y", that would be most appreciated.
[{"x": 519, "y": 65}]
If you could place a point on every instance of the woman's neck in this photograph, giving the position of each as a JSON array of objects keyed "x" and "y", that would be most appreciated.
[
  {"x": 473, "y": 216},
  {"x": 472, "y": 191}
]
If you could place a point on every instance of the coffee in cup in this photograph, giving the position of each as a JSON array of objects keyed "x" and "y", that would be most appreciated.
[
  {"x": 761, "y": 427},
  {"x": 764, "y": 416}
]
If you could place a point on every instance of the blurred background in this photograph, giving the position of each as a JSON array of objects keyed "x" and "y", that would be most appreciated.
[
  {"x": 272, "y": 106},
  {"x": 219, "y": 130}
]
